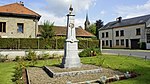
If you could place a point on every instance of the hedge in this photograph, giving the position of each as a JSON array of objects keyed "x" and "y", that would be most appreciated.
[{"x": 35, "y": 43}]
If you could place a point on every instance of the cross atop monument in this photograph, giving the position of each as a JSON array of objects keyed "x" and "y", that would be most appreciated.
[
  {"x": 71, "y": 58},
  {"x": 70, "y": 9}
]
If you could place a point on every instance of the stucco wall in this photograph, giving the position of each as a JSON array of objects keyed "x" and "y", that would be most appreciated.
[
  {"x": 108, "y": 38},
  {"x": 129, "y": 33},
  {"x": 11, "y": 27}
]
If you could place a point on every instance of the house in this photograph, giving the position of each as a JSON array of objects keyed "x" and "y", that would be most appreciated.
[
  {"x": 126, "y": 33},
  {"x": 60, "y": 31},
  {"x": 17, "y": 21}
]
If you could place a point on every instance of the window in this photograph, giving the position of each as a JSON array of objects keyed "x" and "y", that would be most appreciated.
[
  {"x": 138, "y": 31},
  {"x": 106, "y": 42},
  {"x": 103, "y": 35},
  {"x": 20, "y": 27},
  {"x": 122, "y": 42},
  {"x": 107, "y": 34},
  {"x": 103, "y": 43},
  {"x": 3, "y": 27},
  {"x": 148, "y": 38},
  {"x": 117, "y": 33},
  {"x": 122, "y": 33},
  {"x": 117, "y": 42}
]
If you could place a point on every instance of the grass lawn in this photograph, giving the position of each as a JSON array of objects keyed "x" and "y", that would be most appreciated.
[
  {"x": 6, "y": 72},
  {"x": 122, "y": 63}
]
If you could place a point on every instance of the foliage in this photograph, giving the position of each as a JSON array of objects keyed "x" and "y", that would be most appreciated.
[
  {"x": 43, "y": 56},
  {"x": 142, "y": 45},
  {"x": 92, "y": 29},
  {"x": 18, "y": 71},
  {"x": 51, "y": 43},
  {"x": 3, "y": 58},
  {"x": 47, "y": 30},
  {"x": 17, "y": 58},
  {"x": 99, "y": 24},
  {"x": 89, "y": 52},
  {"x": 31, "y": 56}
]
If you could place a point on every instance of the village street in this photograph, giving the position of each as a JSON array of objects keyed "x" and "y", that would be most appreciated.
[{"x": 136, "y": 53}]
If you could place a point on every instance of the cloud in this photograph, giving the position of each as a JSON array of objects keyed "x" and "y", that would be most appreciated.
[
  {"x": 59, "y": 20},
  {"x": 60, "y": 7},
  {"x": 102, "y": 12},
  {"x": 56, "y": 10},
  {"x": 133, "y": 11}
]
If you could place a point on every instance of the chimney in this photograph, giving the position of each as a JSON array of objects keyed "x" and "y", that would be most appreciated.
[
  {"x": 21, "y": 3},
  {"x": 119, "y": 19}
]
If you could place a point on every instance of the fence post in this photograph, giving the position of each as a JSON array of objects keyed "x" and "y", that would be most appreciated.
[
  {"x": 100, "y": 45},
  {"x": 87, "y": 45},
  {"x": 56, "y": 43},
  {"x": 145, "y": 58},
  {"x": 19, "y": 43}
]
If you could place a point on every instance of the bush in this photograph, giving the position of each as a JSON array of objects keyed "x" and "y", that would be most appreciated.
[
  {"x": 18, "y": 71},
  {"x": 31, "y": 56},
  {"x": 17, "y": 58},
  {"x": 3, "y": 58},
  {"x": 142, "y": 45},
  {"x": 89, "y": 52},
  {"x": 52, "y": 43}
]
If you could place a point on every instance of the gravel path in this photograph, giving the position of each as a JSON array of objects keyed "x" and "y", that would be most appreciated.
[{"x": 39, "y": 76}]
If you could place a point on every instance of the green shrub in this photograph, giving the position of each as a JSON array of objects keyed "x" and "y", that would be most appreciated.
[
  {"x": 3, "y": 58},
  {"x": 31, "y": 56},
  {"x": 21, "y": 64},
  {"x": 51, "y": 43},
  {"x": 142, "y": 45},
  {"x": 17, "y": 58},
  {"x": 89, "y": 52}
]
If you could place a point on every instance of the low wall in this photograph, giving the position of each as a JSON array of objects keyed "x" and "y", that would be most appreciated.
[{"x": 13, "y": 53}]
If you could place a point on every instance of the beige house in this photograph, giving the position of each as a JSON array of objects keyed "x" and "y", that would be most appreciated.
[
  {"x": 126, "y": 33},
  {"x": 17, "y": 21}
]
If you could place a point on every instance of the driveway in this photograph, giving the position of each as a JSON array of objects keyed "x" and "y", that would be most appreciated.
[{"x": 136, "y": 53}]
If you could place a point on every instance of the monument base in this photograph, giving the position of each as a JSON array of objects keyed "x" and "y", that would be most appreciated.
[
  {"x": 55, "y": 72},
  {"x": 71, "y": 58}
]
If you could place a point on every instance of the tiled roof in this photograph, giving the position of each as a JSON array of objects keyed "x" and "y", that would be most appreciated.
[
  {"x": 17, "y": 8},
  {"x": 127, "y": 22},
  {"x": 61, "y": 31}
]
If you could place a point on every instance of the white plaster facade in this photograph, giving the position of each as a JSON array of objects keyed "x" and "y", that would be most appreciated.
[{"x": 129, "y": 33}]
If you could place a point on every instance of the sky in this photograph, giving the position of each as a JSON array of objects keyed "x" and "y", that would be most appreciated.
[{"x": 106, "y": 10}]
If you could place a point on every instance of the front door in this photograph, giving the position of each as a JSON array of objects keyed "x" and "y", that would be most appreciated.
[
  {"x": 110, "y": 43},
  {"x": 134, "y": 43},
  {"x": 127, "y": 43}
]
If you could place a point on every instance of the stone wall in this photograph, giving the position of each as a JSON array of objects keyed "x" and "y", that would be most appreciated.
[{"x": 11, "y": 27}]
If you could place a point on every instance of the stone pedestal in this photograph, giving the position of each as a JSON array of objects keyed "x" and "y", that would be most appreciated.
[{"x": 71, "y": 58}]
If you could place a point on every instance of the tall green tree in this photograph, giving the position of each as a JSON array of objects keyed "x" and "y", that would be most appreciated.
[
  {"x": 92, "y": 29},
  {"x": 99, "y": 24},
  {"x": 47, "y": 29}
]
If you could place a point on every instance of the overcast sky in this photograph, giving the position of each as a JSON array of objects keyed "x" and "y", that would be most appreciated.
[{"x": 106, "y": 10}]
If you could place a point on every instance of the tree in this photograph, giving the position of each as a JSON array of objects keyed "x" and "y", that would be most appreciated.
[
  {"x": 92, "y": 29},
  {"x": 99, "y": 24},
  {"x": 47, "y": 30}
]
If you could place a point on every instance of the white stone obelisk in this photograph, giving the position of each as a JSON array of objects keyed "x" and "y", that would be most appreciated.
[{"x": 71, "y": 57}]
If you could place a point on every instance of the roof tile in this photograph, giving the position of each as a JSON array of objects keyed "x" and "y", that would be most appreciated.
[{"x": 16, "y": 8}]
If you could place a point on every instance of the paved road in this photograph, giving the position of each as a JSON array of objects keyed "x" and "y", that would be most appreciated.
[{"x": 136, "y": 53}]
